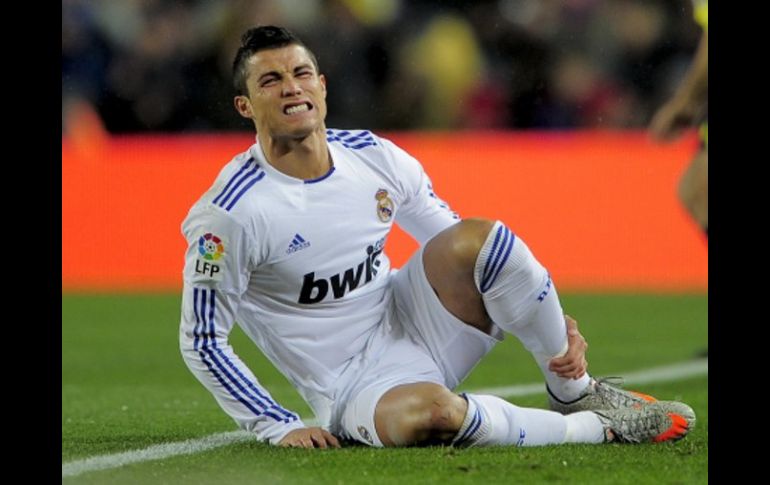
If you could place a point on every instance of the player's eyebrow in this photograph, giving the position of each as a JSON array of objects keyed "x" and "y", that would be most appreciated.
[{"x": 303, "y": 66}]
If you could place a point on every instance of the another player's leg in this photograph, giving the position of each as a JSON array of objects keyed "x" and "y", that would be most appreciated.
[{"x": 693, "y": 190}]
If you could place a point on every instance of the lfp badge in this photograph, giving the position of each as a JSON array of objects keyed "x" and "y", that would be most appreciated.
[{"x": 210, "y": 247}]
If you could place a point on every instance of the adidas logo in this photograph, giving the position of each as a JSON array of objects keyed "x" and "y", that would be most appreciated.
[{"x": 298, "y": 243}]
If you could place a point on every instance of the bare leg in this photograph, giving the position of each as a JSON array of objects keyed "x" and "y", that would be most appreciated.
[
  {"x": 694, "y": 189},
  {"x": 425, "y": 413},
  {"x": 449, "y": 260},
  {"x": 419, "y": 413}
]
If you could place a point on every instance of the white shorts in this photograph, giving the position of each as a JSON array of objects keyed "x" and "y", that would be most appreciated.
[{"x": 425, "y": 343}]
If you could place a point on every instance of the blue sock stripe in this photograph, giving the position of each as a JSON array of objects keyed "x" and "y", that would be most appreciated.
[
  {"x": 495, "y": 257},
  {"x": 464, "y": 437},
  {"x": 509, "y": 247},
  {"x": 244, "y": 189},
  {"x": 475, "y": 427},
  {"x": 492, "y": 252},
  {"x": 472, "y": 427},
  {"x": 232, "y": 179}
]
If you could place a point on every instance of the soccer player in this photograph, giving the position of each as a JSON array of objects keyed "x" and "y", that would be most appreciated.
[
  {"x": 288, "y": 242},
  {"x": 688, "y": 105}
]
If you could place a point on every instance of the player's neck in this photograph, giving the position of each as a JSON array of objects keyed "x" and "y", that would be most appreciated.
[{"x": 306, "y": 158}]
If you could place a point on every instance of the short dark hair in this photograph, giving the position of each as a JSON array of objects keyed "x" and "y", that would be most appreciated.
[{"x": 257, "y": 39}]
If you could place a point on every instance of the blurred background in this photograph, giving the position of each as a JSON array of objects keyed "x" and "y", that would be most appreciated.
[
  {"x": 530, "y": 111},
  {"x": 160, "y": 65}
]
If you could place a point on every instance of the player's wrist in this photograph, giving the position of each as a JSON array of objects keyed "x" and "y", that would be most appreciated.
[{"x": 276, "y": 433}]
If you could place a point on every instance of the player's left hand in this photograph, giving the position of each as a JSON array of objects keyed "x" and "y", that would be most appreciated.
[
  {"x": 313, "y": 437},
  {"x": 573, "y": 364}
]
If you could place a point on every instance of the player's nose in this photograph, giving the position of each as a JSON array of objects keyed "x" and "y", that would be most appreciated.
[{"x": 291, "y": 87}]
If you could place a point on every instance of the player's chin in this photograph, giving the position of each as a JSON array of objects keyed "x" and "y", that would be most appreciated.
[{"x": 302, "y": 131}]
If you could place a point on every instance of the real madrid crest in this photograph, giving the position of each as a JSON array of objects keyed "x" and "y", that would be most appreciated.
[{"x": 384, "y": 205}]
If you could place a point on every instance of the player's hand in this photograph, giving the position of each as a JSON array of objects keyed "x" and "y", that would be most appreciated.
[
  {"x": 309, "y": 438},
  {"x": 670, "y": 120},
  {"x": 573, "y": 364}
]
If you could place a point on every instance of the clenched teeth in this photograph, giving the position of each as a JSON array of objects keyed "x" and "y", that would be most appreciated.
[{"x": 296, "y": 109}]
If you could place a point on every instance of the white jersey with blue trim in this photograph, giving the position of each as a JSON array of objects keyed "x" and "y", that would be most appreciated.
[{"x": 299, "y": 265}]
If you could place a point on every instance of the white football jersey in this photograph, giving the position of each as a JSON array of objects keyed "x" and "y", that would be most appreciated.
[{"x": 299, "y": 265}]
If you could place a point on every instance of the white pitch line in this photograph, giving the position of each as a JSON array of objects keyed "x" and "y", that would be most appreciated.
[
  {"x": 155, "y": 452},
  {"x": 674, "y": 372},
  {"x": 667, "y": 373}
]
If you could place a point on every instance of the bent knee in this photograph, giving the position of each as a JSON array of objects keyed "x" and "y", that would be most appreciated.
[
  {"x": 463, "y": 241},
  {"x": 419, "y": 414}
]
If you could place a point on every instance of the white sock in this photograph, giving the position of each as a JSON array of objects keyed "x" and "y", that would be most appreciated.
[
  {"x": 475, "y": 425},
  {"x": 508, "y": 424},
  {"x": 521, "y": 299},
  {"x": 493, "y": 421},
  {"x": 584, "y": 427}
]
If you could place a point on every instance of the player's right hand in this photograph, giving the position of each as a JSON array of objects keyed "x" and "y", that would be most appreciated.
[
  {"x": 573, "y": 364},
  {"x": 314, "y": 437}
]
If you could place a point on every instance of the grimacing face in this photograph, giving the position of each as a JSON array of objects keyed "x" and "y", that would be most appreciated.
[{"x": 286, "y": 95}]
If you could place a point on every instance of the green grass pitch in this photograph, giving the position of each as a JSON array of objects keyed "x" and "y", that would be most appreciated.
[{"x": 125, "y": 387}]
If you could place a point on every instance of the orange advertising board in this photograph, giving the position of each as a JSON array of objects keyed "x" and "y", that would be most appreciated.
[{"x": 598, "y": 209}]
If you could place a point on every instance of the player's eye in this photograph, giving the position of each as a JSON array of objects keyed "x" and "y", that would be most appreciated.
[{"x": 268, "y": 82}]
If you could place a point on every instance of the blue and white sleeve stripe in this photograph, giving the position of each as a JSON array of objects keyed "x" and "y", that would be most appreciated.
[
  {"x": 231, "y": 194},
  {"x": 222, "y": 367}
]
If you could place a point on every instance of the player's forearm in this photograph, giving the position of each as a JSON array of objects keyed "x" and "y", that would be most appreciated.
[
  {"x": 237, "y": 391},
  {"x": 693, "y": 92}
]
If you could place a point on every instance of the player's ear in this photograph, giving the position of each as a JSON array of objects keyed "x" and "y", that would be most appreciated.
[
  {"x": 243, "y": 106},
  {"x": 322, "y": 78}
]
